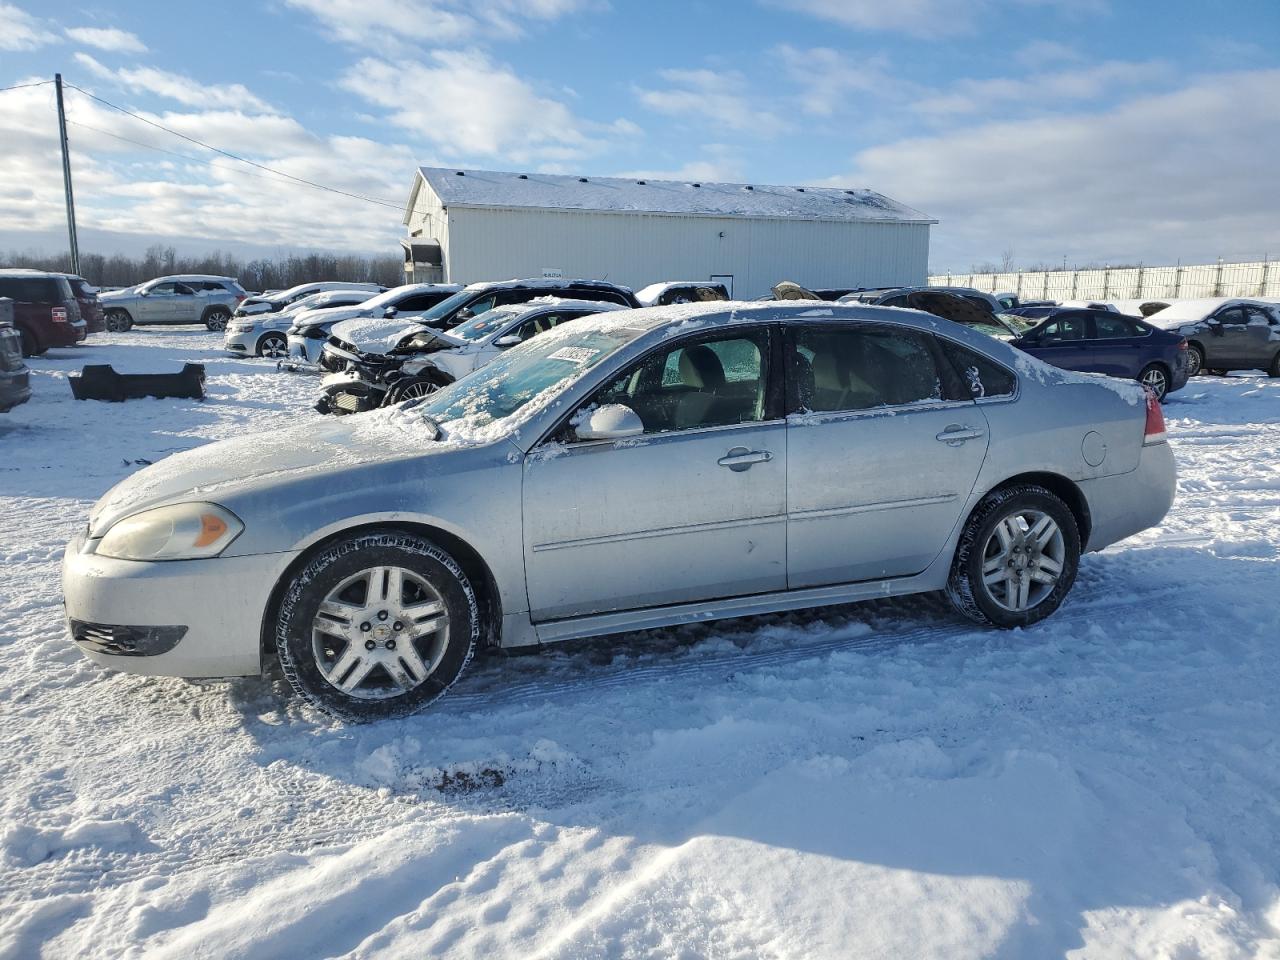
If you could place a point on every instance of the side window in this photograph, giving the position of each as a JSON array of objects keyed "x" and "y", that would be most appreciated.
[
  {"x": 983, "y": 378},
  {"x": 709, "y": 383},
  {"x": 1257, "y": 315},
  {"x": 183, "y": 290},
  {"x": 1063, "y": 329},
  {"x": 418, "y": 302},
  {"x": 1231, "y": 315},
  {"x": 860, "y": 369},
  {"x": 163, "y": 289},
  {"x": 1111, "y": 326},
  {"x": 899, "y": 301}
]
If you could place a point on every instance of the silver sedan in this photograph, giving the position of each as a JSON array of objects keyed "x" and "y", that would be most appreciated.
[{"x": 630, "y": 470}]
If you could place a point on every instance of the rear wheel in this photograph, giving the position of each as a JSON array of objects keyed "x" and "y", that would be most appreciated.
[
  {"x": 30, "y": 346},
  {"x": 1274, "y": 369},
  {"x": 118, "y": 321},
  {"x": 273, "y": 345},
  {"x": 1017, "y": 558},
  {"x": 1195, "y": 360},
  {"x": 216, "y": 319},
  {"x": 1156, "y": 377},
  {"x": 377, "y": 624}
]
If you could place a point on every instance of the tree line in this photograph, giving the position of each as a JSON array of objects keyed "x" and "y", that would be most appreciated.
[{"x": 264, "y": 273}]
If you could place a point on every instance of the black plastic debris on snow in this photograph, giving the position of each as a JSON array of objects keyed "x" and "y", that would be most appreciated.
[{"x": 100, "y": 381}]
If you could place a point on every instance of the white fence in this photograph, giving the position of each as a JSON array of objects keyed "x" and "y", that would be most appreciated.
[{"x": 1258, "y": 279}]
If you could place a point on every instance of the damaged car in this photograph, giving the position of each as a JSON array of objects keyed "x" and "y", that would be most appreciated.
[{"x": 1225, "y": 334}]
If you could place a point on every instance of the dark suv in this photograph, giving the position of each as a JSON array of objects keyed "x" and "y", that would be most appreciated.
[
  {"x": 15, "y": 381},
  {"x": 95, "y": 320},
  {"x": 45, "y": 310}
]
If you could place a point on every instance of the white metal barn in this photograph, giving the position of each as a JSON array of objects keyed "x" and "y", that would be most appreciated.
[{"x": 468, "y": 225}]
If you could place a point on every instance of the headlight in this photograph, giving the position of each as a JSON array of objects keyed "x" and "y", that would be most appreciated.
[
  {"x": 184, "y": 531},
  {"x": 239, "y": 327}
]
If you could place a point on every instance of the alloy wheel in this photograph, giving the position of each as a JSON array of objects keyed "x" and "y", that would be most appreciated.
[
  {"x": 1157, "y": 381},
  {"x": 217, "y": 319},
  {"x": 380, "y": 633},
  {"x": 274, "y": 346},
  {"x": 1023, "y": 559},
  {"x": 422, "y": 388},
  {"x": 1195, "y": 361}
]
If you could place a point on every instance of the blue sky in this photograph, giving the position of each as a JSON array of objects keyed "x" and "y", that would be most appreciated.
[{"x": 1096, "y": 130}]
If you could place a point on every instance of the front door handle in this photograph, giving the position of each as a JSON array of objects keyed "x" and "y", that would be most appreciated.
[
  {"x": 955, "y": 434},
  {"x": 740, "y": 458}
]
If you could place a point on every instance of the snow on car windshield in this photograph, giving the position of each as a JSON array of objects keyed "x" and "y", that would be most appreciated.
[{"x": 534, "y": 371}]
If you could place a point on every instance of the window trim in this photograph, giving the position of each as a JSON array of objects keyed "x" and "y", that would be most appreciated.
[
  {"x": 773, "y": 412},
  {"x": 945, "y": 369}
]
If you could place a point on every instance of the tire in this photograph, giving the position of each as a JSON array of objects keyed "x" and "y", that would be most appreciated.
[
  {"x": 1274, "y": 369},
  {"x": 273, "y": 345},
  {"x": 216, "y": 318},
  {"x": 30, "y": 345},
  {"x": 118, "y": 321},
  {"x": 1195, "y": 359},
  {"x": 412, "y": 388},
  {"x": 1013, "y": 509},
  {"x": 346, "y": 667},
  {"x": 1155, "y": 376}
]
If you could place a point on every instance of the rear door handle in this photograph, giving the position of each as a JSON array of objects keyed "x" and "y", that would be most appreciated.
[
  {"x": 955, "y": 434},
  {"x": 740, "y": 458}
]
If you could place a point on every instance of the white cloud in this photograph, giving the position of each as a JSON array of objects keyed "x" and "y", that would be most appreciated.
[
  {"x": 388, "y": 25},
  {"x": 175, "y": 86},
  {"x": 920, "y": 17},
  {"x": 1039, "y": 52},
  {"x": 21, "y": 31},
  {"x": 718, "y": 98},
  {"x": 1186, "y": 174},
  {"x": 470, "y": 106},
  {"x": 830, "y": 81},
  {"x": 1045, "y": 89},
  {"x": 107, "y": 38}
]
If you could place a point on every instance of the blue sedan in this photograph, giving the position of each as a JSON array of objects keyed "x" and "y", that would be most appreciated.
[{"x": 1101, "y": 341}]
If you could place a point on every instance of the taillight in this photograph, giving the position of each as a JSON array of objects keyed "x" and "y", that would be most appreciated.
[
  {"x": 240, "y": 296},
  {"x": 59, "y": 314},
  {"x": 1154, "y": 431}
]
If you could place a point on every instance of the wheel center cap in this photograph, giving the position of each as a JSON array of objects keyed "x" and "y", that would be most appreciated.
[
  {"x": 381, "y": 631},
  {"x": 1021, "y": 561}
]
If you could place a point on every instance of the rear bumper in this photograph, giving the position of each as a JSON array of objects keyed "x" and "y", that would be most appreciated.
[
  {"x": 182, "y": 618},
  {"x": 15, "y": 388},
  {"x": 1122, "y": 505}
]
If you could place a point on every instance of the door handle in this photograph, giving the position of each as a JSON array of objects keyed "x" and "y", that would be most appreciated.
[
  {"x": 955, "y": 434},
  {"x": 740, "y": 458}
]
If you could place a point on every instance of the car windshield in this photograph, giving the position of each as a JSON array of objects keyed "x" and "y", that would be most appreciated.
[
  {"x": 532, "y": 372},
  {"x": 1019, "y": 325},
  {"x": 481, "y": 325},
  {"x": 445, "y": 307}
]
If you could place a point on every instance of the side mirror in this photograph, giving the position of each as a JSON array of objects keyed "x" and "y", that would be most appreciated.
[
  {"x": 144, "y": 293},
  {"x": 510, "y": 340},
  {"x": 390, "y": 312},
  {"x": 463, "y": 314},
  {"x": 613, "y": 421}
]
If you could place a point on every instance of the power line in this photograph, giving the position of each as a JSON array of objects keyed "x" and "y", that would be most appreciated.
[
  {"x": 23, "y": 86},
  {"x": 225, "y": 153},
  {"x": 172, "y": 153}
]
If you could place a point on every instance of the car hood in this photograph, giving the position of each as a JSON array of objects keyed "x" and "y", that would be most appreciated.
[
  {"x": 323, "y": 315},
  {"x": 378, "y": 335},
  {"x": 126, "y": 293},
  {"x": 227, "y": 467}
]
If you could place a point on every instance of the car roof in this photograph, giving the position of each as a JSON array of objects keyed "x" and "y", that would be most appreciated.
[
  {"x": 548, "y": 283},
  {"x": 28, "y": 272},
  {"x": 540, "y": 304},
  {"x": 189, "y": 276}
]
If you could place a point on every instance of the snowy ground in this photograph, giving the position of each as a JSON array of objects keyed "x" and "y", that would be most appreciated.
[{"x": 873, "y": 781}]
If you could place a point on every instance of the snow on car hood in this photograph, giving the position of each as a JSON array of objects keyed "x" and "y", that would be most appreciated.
[
  {"x": 323, "y": 315},
  {"x": 379, "y": 335},
  {"x": 118, "y": 294},
  {"x": 215, "y": 469}
]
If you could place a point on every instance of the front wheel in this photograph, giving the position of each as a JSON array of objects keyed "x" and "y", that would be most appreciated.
[
  {"x": 1155, "y": 377},
  {"x": 1195, "y": 360},
  {"x": 118, "y": 321},
  {"x": 216, "y": 319},
  {"x": 273, "y": 345},
  {"x": 412, "y": 388},
  {"x": 377, "y": 624},
  {"x": 1017, "y": 558}
]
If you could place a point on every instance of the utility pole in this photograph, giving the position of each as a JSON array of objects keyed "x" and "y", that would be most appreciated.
[{"x": 66, "y": 178}]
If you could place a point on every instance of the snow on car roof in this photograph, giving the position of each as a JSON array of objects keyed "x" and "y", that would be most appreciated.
[
  {"x": 545, "y": 282},
  {"x": 560, "y": 303},
  {"x": 487, "y": 188},
  {"x": 1190, "y": 311}
]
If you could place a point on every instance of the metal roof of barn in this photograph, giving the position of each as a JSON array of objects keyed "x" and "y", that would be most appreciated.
[{"x": 542, "y": 191}]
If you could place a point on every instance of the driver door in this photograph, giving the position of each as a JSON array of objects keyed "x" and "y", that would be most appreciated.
[{"x": 693, "y": 509}]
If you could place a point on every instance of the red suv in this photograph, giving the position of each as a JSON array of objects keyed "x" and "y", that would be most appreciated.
[{"x": 45, "y": 310}]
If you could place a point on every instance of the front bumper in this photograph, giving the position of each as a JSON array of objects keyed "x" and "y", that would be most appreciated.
[
  {"x": 241, "y": 343},
  {"x": 15, "y": 388},
  {"x": 304, "y": 348},
  {"x": 220, "y": 602}
]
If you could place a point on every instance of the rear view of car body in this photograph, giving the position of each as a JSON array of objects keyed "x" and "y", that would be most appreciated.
[
  {"x": 15, "y": 378},
  {"x": 45, "y": 311},
  {"x": 90, "y": 306}
]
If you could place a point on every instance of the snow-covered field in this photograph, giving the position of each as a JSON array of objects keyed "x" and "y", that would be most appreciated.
[{"x": 868, "y": 781}]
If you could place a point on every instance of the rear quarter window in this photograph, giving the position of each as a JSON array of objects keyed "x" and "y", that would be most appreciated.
[
  {"x": 982, "y": 377},
  {"x": 34, "y": 289}
]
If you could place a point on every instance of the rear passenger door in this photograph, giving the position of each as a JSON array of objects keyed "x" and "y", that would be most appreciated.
[
  {"x": 1063, "y": 342},
  {"x": 1117, "y": 345},
  {"x": 884, "y": 444},
  {"x": 1228, "y": 340},
  {"x": 1263, "y": 336}
]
